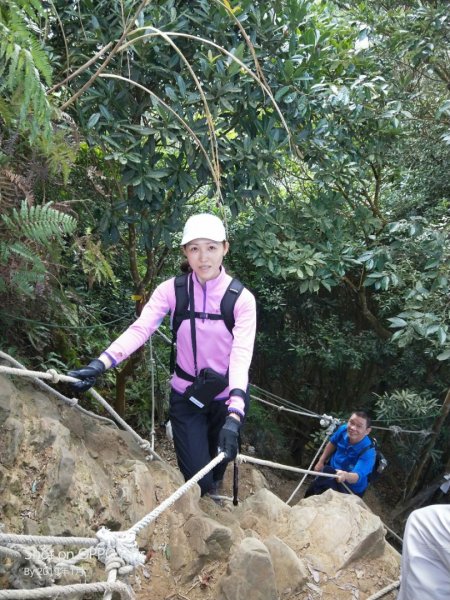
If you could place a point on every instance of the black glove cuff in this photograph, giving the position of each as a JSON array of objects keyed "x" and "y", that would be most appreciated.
[
  {"x": 98, "y": 365},
  {"x": 232, "y": 424},
  {"x": 238, "y": 392}
]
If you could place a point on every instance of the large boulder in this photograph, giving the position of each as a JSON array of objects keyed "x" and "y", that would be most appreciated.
[{"x": 250, "y": 573}]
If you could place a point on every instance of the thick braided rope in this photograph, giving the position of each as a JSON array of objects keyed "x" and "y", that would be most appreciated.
[
  {"x": 176, "y": 495},
  {"x": 72, "y": 402},
  {"x": 10, "y": 552},
  {"x": 268, "y": 463},
  {"x": 56, "y": 377},
  {"x": 51, "y": 374},
  {"x": 384, "y": 591},
  {"x": 144, "y": 444},
  {"x": 11, "y": 538},
  {"x": 120, "y": 545},
  {"x": 58, "y": 591},
  {"x": 145, "y": 521}
]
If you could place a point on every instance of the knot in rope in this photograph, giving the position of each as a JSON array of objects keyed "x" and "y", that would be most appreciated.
[
  {"x": 72, "y": 401},
  {"x": 118, "y": 545},
  {"x": 55, "y": 375},
  {"x": 145, "y": 445},
  {"x": 326, "y": 420},
  {"x": 425, "y": 433},
  {"x": 396, "y": 430},
  {"x": 280, "y": 408},
  {"x": 114, "y": 562},
  {"x": 330, "y": 423}
]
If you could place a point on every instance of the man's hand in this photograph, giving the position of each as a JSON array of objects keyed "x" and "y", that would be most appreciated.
[
  {"x": 341, "y": 476},
  {"x": 319, "y": 466},
  {"x": 347, "y": 476},
  {"x": 88, "y": 375},
  {"x": 229, "y": 438}
]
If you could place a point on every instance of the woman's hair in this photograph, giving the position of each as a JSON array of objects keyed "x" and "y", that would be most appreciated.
[{"x": 184, "y": 266}]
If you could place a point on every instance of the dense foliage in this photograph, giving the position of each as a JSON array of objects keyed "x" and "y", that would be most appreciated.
[{"x": 318, "y": 130}]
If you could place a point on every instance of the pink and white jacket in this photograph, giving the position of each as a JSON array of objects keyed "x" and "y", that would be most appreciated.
[{"x": 216, "y": 347}]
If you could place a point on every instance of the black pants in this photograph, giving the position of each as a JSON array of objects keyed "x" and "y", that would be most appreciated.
[
  {"x": 322, "y": 484},
  {"x": 196, "y": 437}
]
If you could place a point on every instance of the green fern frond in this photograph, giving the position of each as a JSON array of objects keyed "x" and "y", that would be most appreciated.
[
  {"x": 25, "y": 281},
  {"x": 40, "y": 61},
  {"x": 27, "y": 66},
  {"x": 5, "y": 111},
  {"x": 23, "y": 31},
  {"x": 5, "y": 252},
  {"x": 41, "y": 224},
  {"x": 95, "y": 265},
  {"x": 25, "y": 273},
  {"x": 32, "y": 8},
  {"x": 21, "y": 250}
]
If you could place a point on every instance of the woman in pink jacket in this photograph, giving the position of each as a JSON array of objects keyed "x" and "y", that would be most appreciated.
[{"x": 209, "y": 392}]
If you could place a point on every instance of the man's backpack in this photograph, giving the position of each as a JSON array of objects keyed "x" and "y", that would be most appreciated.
[
  {"x": 181, "y": 311},
  {"x": 380, "y": 461}
]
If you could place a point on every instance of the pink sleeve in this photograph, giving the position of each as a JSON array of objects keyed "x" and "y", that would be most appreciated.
[
  {"x": 160, "y": 303},
  {"x": 242, "y": 348}
]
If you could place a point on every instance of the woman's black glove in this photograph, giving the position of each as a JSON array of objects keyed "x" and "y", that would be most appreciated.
[
  {"x": 229, "y": 438},
  {"x": 88, "y": 375}
]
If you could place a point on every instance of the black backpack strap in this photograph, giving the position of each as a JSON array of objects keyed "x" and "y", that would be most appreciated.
[
  {"x": 373, "y": 444},
  {"x": 229, "y": 299},
  {"x": 180, "y": 313}
]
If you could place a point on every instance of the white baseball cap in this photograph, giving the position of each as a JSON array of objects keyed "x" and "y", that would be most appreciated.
[{"x": 203, "y": 226}]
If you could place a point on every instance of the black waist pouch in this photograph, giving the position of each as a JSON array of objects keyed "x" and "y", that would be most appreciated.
[{"x": 207, "y": 385}]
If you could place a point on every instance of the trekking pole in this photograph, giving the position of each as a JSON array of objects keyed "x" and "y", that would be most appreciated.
[{"x": 235, "y": 483}]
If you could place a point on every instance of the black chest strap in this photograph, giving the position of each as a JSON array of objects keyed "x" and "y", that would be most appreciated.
[{"x": 183, "y": 311}]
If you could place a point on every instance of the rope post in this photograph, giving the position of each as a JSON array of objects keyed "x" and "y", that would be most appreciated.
[
  {"x": 152, "y": 370},
  {"x": 235, "y": 482}
]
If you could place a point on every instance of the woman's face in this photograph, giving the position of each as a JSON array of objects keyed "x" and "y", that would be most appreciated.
[{"x": 205, "y": 258}]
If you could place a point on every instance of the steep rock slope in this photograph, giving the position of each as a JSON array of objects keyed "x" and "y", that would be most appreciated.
[{"x": 65, "y": 473}]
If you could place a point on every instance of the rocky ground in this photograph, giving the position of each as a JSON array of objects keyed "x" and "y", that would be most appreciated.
[
  {"x": 156, "y": 581},
  {"x": 65, "y": 473}
]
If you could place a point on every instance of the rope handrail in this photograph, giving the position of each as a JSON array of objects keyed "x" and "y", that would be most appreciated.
[
  {"x": 395, "y": 429},
  {"x": 389, "y": 588},
  {"x": 282, "y": 408},
  {"x": 46, "y": 540},
  {"x": 58, "y": 326},
  {"x": 113, "y": 545},
  {"x": 56, "y": 377},
  {"x": 164, "y": 336},
  {"x": 145, "y": 521},
  {"x": 308, "y": 413},
  {"x": 57, "y": 591},
  {"x": 267, "y": 463},
  {"x": 280, "y": 399},
  {"x": 72, "y": 402}
]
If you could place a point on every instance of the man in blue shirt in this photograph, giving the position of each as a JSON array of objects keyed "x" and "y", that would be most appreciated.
[{"x": 350, "y": 454}]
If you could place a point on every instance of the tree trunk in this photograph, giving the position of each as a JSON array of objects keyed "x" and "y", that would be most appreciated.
[
  {"x": 418, "y": 473},
  {"x": 130, "y": 365},
  {"x": 121, "y": 381}
]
